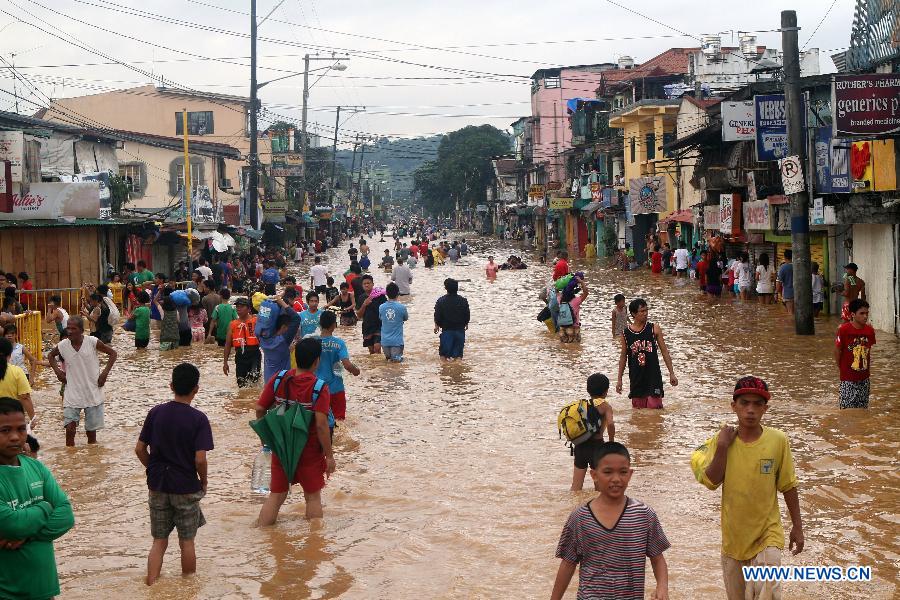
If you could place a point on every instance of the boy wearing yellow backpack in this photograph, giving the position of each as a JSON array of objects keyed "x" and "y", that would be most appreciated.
[{"x": 583, "y": 422}]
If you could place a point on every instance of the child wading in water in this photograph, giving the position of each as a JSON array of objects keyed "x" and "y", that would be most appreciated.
[
  {"x": 491, "y": 269},
  {"x": 619, "y": 318},
  {"x": 600, "y": 414},
  {"x": 612, "y": 534}
]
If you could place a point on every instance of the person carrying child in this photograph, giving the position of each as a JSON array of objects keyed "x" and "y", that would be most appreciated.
[
  {"x": 172, "y": 446},
  {"x": 610, "y": 538}
]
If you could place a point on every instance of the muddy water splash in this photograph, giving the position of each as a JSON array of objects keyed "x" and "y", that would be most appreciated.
[{"x": 451, "y": 480}]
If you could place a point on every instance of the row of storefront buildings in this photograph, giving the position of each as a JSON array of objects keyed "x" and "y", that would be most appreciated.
[{"x": 686, "y": 147}]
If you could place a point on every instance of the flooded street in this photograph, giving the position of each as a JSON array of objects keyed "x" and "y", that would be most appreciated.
[{"x": 451, "y": 480}]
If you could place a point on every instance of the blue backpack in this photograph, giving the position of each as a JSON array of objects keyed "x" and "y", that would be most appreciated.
[
  {"x": 266, "y": 320},
  {"x": 566, "y": 317},
  {"x": 317, "y": 389},
  {"x": 271, "y": 276}
]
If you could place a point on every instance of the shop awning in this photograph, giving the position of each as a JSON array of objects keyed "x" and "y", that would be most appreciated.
[
  {"x": 679, "y": 216},
  {"x": 590, "y": 207},
  {"x": 526, "y": 211}
]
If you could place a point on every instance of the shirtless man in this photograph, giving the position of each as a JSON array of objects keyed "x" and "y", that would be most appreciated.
[{"x": 854, "y": 287}]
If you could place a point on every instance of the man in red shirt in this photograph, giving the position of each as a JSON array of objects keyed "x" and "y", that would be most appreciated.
[
  {"x": 702, "y": 267},
  {"x": 853, "y": 355},
  {"x": 561, "y": 268},
  {"x": 317, "y": 459}
]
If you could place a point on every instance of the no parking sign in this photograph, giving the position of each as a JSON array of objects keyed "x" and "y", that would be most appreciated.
[{"x": 792, "y": 175}]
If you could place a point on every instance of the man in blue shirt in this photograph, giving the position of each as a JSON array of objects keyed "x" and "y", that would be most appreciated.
[
  {"x": 309, "y": 318},
  {"x": 270, "y": 277},
  {"x": 784, "y": 284},
  {"x": 392, "y": 315},
  {"x": 276, "y": 348},
  {"x": 334, "y": 359}
]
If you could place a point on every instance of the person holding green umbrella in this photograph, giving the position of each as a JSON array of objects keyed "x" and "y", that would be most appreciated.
[{"x": 300, "y": 445}]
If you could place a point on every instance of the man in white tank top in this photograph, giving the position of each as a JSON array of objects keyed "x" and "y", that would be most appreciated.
[{"x": 82, "y": 378}]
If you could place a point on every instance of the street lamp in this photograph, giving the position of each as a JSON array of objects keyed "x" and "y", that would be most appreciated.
[{"x": 337, "y": 66}]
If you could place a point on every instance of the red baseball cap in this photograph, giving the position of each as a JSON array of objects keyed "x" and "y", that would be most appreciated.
[{"x": 751, "y": 385}]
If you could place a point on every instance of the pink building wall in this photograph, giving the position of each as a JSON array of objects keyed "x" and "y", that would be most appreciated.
[{"x": 552, "y": 134}]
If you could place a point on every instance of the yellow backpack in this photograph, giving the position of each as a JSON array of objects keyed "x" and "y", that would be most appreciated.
[{"x": 574, "y": 423}]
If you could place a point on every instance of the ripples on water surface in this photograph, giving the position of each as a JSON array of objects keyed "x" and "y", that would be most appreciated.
[{"x": 451, "y": 480}]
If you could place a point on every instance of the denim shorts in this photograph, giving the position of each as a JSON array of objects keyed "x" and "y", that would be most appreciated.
[
  {"x": 93, "y": 417},
  {"x": 452, "y": 343},
  {"x": 392, "y": 352}
]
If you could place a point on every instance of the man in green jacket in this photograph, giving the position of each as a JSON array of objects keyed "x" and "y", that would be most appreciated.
[{"x": 34, "y": 511}]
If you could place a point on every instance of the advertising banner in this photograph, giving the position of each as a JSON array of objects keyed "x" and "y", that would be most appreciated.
[
  {"x": 738, "y": 121},
  {"x": 866, "y": 104},
  {"x": 275, "y": 210},
  {"x": 832, "y": 163},
  {"x": 563, "y": 203},
  {"x": 536, "y": 191},
  {"x": 55, "y": 200},
  {"x": 757, "y": 216},
  {"x": 596, "y": 191},
  {"x": 711, "y": 219},
  {"x": 729, "y": 214},
  {"x": 771, "y": 127},
  {"x": 792, "y": 175},
  {"x": 647, "y": 195}
]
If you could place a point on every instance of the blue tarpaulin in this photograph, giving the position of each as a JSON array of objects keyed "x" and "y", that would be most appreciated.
[{"x": 572, "y": 104}]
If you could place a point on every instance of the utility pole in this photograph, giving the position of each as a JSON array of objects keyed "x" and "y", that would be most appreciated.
[
  {"x": 303, "y": 141},
  {"x": 253, "y": 187},
  {"x": 187, "y": 189},
  {"x": 796, "y": 114},
  {"x": 352, "y": 168},
  {"x": 362, "y": 160},
  {"x": 337, "y": 124}
]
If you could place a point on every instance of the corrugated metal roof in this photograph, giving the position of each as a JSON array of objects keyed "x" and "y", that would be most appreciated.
[{"x": 40, "y": 223}]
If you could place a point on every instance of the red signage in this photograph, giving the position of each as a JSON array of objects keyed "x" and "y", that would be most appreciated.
[{"x": 866, "y": 104}]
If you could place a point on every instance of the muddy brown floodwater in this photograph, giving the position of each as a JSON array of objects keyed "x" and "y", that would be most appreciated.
[{"x": 451, "y": 481}]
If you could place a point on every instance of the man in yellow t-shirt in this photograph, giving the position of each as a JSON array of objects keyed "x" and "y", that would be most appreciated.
[{"x": 752, "y": 463}]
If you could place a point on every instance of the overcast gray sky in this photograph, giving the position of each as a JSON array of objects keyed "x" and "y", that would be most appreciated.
[{"x": 418, "y": 66}]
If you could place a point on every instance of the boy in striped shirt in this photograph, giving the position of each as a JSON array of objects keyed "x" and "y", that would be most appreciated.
[{"x": 611, "y": 537}]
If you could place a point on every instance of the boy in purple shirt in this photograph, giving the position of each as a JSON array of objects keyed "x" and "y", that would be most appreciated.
[{"x": 172, "y": 446}]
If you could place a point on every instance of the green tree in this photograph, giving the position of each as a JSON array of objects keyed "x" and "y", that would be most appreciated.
[{"x": 462, "y": 170}]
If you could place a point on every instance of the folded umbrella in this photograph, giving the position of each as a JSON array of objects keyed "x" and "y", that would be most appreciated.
[{"x": 285, "y": 430}]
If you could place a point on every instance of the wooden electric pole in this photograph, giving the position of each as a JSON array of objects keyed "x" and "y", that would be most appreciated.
[{"x": 796, "y": 115}]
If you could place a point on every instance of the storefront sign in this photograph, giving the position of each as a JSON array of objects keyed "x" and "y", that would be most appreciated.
[
  {"x": 287, "y": 165},
  {"x": 729, "y": 214},
  {"x": 832, "y": 163},
  {"x": 275, "y": 211},
  {"x": 757, "y": 216},
  {"x": 55, "y": 200},
  {"x": 738, "y": 121},
  {"x": 647, "y": 195},
  {"x": 861, "y": 166},
  {"x": 817, "y": 215},
  {"x": 792, "y": 175},
  {"x": 554, "y": 186},
  {"x": 12, "y": 149},
  {"x": 771, "y": 127},
  {"x": 711, "y": 218},
  {"x": 561, "y": 203},
  {"x": 866, "y": 104},
  {"x": 536, "y": 191},
  {"x": 481, "y": 208}
]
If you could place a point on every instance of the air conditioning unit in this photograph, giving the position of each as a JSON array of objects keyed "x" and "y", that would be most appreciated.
[{"x": 224, "y": 184}]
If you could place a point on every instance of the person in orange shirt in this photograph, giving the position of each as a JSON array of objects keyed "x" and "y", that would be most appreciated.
[{"x": 242, "y": 337}]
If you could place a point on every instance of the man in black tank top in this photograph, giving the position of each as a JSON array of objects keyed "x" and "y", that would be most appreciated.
[{"x": 641, "y": 346}]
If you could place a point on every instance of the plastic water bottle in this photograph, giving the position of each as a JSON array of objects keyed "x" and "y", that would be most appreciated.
[{"x": 261, "y": 478}]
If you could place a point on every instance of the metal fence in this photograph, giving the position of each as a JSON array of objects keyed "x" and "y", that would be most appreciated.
[
  {"x": 28, "y": 325},
  {"x": 70, "y": 299}
]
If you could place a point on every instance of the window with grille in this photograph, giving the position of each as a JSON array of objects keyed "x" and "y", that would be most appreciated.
[
  {"x": 196, "y": 176},
  {"x": 131, "y": 174},
  {"x": 552, "y": 82},
  {"x": 199, "y": 123}
]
